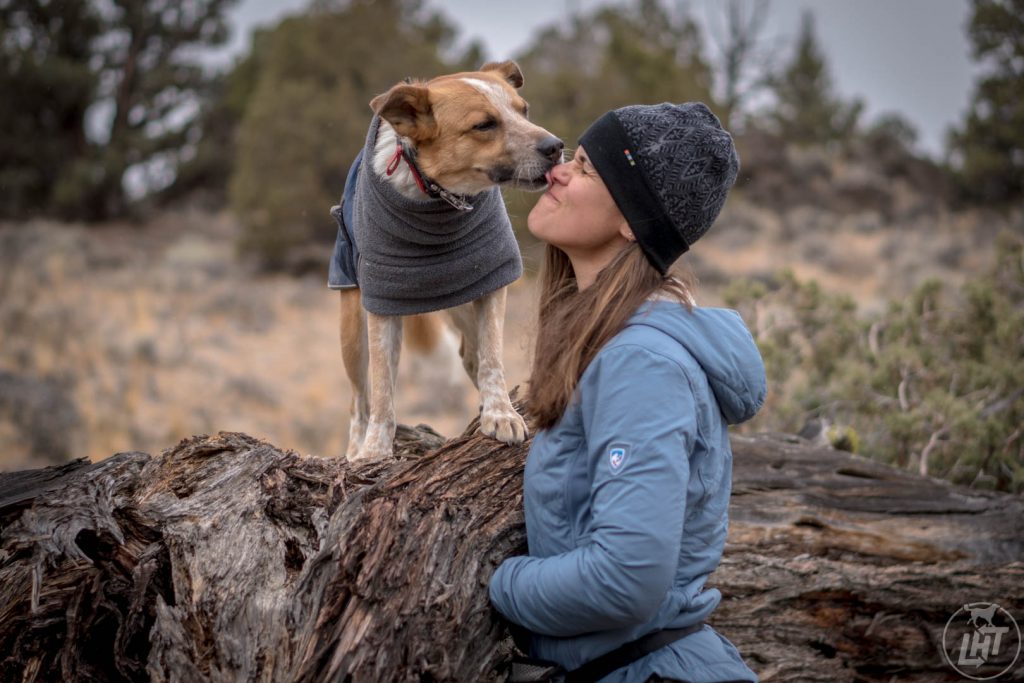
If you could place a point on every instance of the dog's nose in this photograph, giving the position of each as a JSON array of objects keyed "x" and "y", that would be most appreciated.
[{"x": 551, "y": 147}]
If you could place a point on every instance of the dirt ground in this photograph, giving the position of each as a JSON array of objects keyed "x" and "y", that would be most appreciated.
[
  {"x": 136, "y": 337},
  {"x": 161, "y": 334}
]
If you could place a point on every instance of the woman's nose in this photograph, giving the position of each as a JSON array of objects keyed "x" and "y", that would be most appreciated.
[{"x": 560, "y": 173}]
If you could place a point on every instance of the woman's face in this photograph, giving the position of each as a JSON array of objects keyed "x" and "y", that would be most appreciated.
[{"x": 577, "y": 213}]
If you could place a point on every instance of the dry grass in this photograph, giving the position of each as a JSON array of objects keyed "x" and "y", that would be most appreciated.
[
  {"x": 160, "y": 334},
  {"x": 156, "y": 333}
]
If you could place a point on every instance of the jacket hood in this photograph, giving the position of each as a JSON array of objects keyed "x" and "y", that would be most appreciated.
[{"x": 722, "y": 345}]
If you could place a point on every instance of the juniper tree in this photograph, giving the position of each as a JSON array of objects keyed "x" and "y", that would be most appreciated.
[
  {"x": 97, "y": 88},
  {"x": 988, "y": 150}
]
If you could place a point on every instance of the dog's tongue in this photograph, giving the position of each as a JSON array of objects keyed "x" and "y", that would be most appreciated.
[{"x": 547, "y": 177}]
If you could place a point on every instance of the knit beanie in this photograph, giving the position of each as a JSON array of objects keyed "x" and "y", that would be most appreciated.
[{"x": 668, "y": 167}]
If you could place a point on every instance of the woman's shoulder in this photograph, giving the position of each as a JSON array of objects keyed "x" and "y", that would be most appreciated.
[
  {"x": 667, "y": 327},
  {"x": 645, "y": 342}
]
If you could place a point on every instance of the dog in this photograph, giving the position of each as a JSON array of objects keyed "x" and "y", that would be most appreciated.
[
  {"x": 422, "y": 228},
  {"x": 985, "y": 613}
]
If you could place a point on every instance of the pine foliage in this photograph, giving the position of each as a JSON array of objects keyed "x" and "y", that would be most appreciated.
[{"x": 989, "y": 148}]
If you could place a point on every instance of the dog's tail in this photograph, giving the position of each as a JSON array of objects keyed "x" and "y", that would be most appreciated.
[
  {"x": 423, "y": 333},
  {"x": 434, "y": 347}
]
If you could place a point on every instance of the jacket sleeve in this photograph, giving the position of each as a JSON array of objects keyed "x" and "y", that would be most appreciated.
[{"x": 640, "y": 405}]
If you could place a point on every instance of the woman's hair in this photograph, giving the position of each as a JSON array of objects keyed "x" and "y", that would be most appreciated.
[{"x": 572, "y": 326}]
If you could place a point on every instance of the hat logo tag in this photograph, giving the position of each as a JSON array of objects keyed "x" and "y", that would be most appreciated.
[{"x": 629, "y": 157}]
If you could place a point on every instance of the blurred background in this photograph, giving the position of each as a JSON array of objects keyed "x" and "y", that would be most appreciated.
[{"x": 166, "y": 171}]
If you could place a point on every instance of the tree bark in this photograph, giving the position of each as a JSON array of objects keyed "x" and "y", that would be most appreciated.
[{"x": 225, "y": 558}]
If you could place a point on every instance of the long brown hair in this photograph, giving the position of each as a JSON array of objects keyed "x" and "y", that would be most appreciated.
[{"x": 573, "y": 325}]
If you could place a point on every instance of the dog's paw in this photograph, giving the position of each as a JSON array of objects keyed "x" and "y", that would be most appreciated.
[
  {"x": 376, "y": 446},
  {"x": 505, "y": 425},
  {"x": 367, "y": 454},
  {"x": 352, "y": 453}
]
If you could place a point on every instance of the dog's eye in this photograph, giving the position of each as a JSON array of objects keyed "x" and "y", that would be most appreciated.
[
  {"x": 486, "y": 125},
  {"x": 526, "y": 111}
]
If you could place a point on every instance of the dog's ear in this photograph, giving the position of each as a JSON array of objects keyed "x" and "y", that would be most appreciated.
[
  {"x": 510, "y": 71},
  {"x": 407, "y": 108}
]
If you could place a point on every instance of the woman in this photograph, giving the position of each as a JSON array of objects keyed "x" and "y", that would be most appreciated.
[{"x": 627, "y": 482}]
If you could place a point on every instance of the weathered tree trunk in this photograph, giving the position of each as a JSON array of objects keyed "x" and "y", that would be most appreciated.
[{"x": 225, "y": 558}]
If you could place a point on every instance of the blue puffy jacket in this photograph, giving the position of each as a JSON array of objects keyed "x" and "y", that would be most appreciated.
[{"x": 626, "y": 498}]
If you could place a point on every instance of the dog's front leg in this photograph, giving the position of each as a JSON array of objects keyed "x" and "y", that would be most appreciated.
[
  {"x": 497, "y": 416},
  {"x": 385, "y": 337}
]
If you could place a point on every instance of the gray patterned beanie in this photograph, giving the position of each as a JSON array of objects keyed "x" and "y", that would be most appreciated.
[{"x": 668, "y": 167}]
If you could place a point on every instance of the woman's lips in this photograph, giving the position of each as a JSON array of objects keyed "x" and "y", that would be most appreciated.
[{"x": 551, "y": 185}]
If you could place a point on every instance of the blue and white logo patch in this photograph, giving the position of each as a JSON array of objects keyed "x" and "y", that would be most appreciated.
[{"x": 618, "y": 453}]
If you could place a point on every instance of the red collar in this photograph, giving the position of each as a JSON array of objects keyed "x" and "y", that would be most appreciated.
[
  {"x": 397, "y": 159},
  {"x": 426, "y": 185}
]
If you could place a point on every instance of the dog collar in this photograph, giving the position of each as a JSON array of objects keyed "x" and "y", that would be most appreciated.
[{"x": 426, "y": 184}]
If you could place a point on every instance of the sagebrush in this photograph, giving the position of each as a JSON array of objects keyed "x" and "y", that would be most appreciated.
[{"x": 934, "y": 383}]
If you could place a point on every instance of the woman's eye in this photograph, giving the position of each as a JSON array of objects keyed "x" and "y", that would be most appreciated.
[{"x": 489, "y": 124}]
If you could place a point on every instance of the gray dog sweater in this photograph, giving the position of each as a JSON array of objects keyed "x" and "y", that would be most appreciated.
[{"x": 415, "y": 256}]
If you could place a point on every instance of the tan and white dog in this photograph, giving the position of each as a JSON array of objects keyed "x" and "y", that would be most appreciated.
[{"x": 467, "y": 133}]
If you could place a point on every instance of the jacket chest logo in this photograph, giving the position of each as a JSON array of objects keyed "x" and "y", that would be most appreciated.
[{"x": 617, "y": 456}]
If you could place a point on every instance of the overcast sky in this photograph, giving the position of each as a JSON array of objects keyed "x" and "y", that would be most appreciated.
[{"x": 907, "y": 56}]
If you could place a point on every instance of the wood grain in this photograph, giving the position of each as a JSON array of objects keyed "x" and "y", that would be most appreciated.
[{"x": 226, "y": 558}]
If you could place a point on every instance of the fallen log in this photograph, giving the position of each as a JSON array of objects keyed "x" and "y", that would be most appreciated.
[{"x": 225, "y": 558}]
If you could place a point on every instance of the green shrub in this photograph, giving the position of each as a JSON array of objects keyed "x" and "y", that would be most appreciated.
[{"x": 935, "y": 383}]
